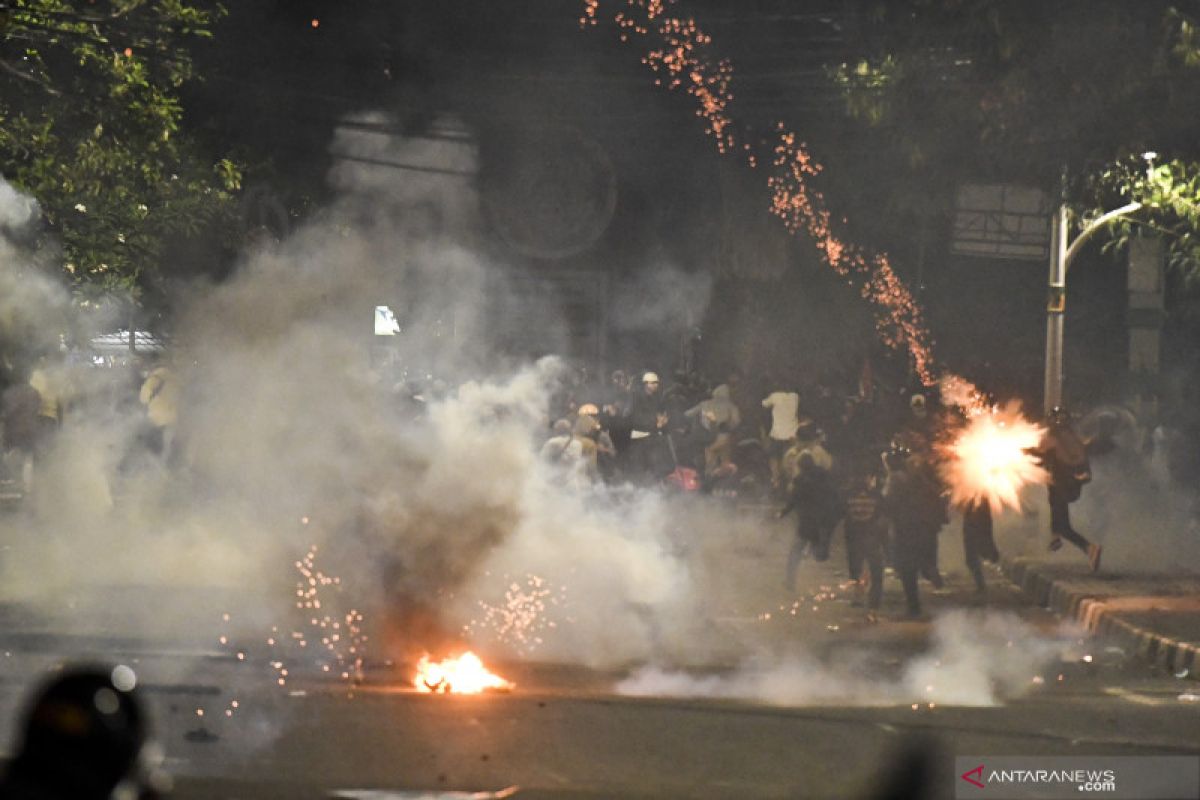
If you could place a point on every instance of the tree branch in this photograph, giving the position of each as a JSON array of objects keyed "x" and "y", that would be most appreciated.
[{"x": 12, "y": 70}]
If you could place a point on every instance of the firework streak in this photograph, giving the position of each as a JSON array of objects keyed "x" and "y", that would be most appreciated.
[{"x": 678, "y": 56}]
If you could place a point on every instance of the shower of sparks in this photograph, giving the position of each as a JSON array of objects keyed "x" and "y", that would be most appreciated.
[
  {"x": 960, "y": 393},
  {"x": 679, "y": 57},
  {"x": 989, "y": 460},
  {"x": 522, "y": 620},
  {"x": 590, "y": 7},
  {"x": 898, "y": 318},
  {"x": 337, "y": 638},
  {"x": 464, "y": 674}
]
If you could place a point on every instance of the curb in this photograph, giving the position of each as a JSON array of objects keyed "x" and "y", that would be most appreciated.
[{"x": 1086, "y": 601}]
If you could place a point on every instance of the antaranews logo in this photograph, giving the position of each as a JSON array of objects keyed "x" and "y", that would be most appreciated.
[{"x": 977, "y": 780}]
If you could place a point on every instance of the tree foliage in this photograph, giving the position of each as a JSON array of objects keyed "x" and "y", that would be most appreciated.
[
  {"x": 1023, "y": 91},
  {"x": 92, "y": 126}
]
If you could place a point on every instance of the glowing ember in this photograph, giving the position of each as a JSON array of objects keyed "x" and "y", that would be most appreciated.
[
  {"x": 989, "y": 460},
  {"x": 523, "y": 618},
  {"x": 961, "y": 393},
  {"x": 463, "y": 675}
]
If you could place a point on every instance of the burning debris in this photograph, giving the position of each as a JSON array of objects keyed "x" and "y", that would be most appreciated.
[{"x": 463, "y": 674}]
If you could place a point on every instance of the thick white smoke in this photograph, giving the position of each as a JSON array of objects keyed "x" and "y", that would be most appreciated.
[
  {"x": 976, "y": 659},
  {"x": 291, "y": 435}
]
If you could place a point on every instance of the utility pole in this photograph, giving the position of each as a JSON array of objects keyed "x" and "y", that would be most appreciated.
[
  {"x": 1056, "y": 306},
  {"x": 1061, "y": 256}
]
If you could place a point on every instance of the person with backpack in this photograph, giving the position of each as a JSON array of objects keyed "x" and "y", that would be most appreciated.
[
  {"x": 1064, "y": 457},
  {"x": 912, "y": 500},
  {"x": 718, "y": 417},
  {"x": 866, "y": 539}
]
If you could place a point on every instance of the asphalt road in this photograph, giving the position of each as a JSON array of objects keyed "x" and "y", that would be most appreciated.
[{"x": 569, "y": 732}]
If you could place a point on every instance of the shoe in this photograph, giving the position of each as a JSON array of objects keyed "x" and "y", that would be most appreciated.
[
  {"x": 1055, "y": 544},
  {"x": 1094, "y": 553},
  {"x": 872, "y": 617}
]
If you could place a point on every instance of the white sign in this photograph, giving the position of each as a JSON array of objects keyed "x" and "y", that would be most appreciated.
[{"x": 385, "y": 322}]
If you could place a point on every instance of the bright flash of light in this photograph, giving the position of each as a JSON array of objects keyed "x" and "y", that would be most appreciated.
[
  {"x": 465, "y": 674},
  {"x": 989, "y": 460}
]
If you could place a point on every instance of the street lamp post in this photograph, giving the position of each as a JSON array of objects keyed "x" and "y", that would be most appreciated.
[{"x": 1061, "y": 256}]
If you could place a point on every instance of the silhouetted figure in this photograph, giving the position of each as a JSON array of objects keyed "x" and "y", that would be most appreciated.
[
  {"x": 1064, "y": 456},
  {"x": 649, "y": 459},
  {"x": 83, "y": 736},
  {"x": 912, "y": 500},
  {"x": 912, "y": 774},
  {"x": 979, "y": 543},
  {"x": 814, "y": 499},
  {"x": 866, "y": 539}
]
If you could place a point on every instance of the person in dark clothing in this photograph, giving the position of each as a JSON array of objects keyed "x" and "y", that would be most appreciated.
[
  {"x": 1064, "y": 457},
  {"x": 931, "y": 501},
  {"x": 979, "y": 543},
  {"x": 649, "y": 456},
  {"x": 83, "y": 738},
  {"x": 866, "y": 538},
  {"x": 19, "y": 404},
  {"x": 815, "y": 501},
  {"x": 913, "y": 502}
]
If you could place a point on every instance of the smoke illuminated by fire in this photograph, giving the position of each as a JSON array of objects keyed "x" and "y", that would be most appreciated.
[
  {"x": 989, "y": 459},
  {"x": 462, "y": 675}
]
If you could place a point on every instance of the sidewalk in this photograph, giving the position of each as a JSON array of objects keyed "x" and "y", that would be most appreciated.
[{"x": 1155, "y": 617}]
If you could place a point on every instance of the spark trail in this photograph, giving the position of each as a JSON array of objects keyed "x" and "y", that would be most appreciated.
[{"x": 679, "y": 56}]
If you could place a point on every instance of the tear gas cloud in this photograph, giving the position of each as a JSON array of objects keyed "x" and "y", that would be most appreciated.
[
  {"x": 292, "y": 435},
  {"x": 976, "y": 659}
]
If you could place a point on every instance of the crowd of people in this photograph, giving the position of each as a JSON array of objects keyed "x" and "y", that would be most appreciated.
[
  {"x": 865, "y": 464},
  {"x": 37, "y": 397}
]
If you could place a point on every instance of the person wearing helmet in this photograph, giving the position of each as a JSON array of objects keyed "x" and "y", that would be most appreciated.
[
  {"x": 83, "y": 737},
  {"x": 648, "y": 420}
]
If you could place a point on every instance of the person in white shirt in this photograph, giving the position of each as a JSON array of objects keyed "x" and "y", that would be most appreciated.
[{"x": 785, "y": 413}]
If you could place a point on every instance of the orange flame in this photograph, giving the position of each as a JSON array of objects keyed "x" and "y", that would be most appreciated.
[
  {"x": 989, "y": 460},
  {"x": 462, "y": 675}
]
